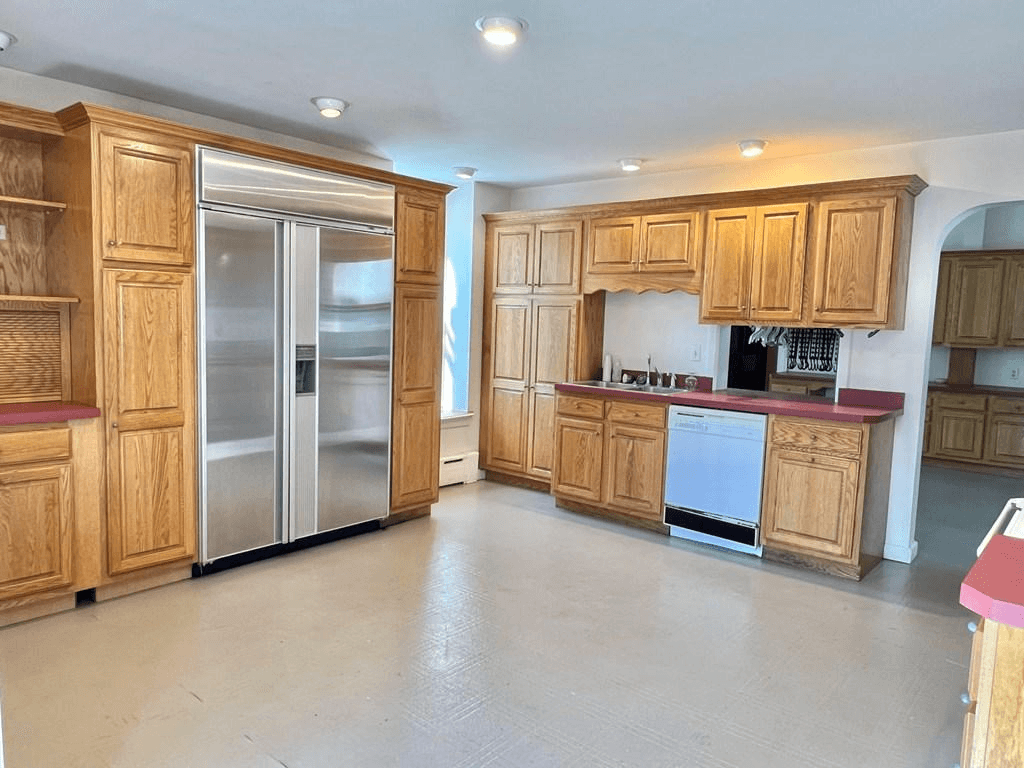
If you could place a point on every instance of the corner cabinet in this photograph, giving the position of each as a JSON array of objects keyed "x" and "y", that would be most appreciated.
[
  {"x": 980, "y": 300},
  {"x": 416, "y": 396}
]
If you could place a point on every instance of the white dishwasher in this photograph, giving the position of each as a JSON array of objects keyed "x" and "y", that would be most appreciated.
[{"x": 713, "y": 476}]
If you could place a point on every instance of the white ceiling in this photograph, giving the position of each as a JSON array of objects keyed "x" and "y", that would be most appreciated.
[{"x": 676, "y": 82}]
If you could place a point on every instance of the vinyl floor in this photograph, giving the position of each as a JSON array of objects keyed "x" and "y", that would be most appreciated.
[{"x": 501, "y": 632}]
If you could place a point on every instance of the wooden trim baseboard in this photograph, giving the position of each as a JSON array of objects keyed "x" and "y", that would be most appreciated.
[
  {"x": 981, "y": 469},
  {"x": 517, "y": 480},
  {"x": 607, "y": 514},
  {"x": 405, "y": 515},
  {"x": 851, "y": 571}
]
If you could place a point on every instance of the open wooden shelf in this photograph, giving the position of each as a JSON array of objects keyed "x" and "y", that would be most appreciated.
[
  {"x": 40, "y": 299},
  {"x": 25, "y": 202}
]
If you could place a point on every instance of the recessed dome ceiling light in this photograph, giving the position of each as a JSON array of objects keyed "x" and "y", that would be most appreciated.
[
  {"x": 630, "y": 164},
  {"x": 501, "y": 30},
  {"x": 329, "y": 106},
  {"x": 752, "y": 147},
  {"x": 465, "y": 172},
  {"x": 6, "y": 40}
]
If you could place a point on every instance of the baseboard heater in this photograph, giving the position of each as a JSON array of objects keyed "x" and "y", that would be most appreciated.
[{"x": 711, "y": 529}]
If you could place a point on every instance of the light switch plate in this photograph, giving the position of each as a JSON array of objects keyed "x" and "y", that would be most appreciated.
[{"x": 695, "y": 353}]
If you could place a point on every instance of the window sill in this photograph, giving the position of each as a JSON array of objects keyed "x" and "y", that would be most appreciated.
[{"x": 456, "y": 418}]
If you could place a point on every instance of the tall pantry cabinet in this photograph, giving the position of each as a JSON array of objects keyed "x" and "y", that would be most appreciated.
[
  {"x": 539, "y": 330},
  {"x": 125, "y": 247}
]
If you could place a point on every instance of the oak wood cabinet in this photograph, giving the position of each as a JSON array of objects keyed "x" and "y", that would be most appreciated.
[
  {"x": 537, "y": 257},
  {"x": 992, "y": 731},
  {"x": 36, "y": 511},
  {"x": 754, "y": 264},
  {"x": 825, "y": 497},
  {"x": 416, "y": 395},
  {"x": 957, "y": 426},
  {"x": 610, "y": 456},
  {"x": 980, "y": 299},
  {"x": 1011, "y": 326},
  {"x": 150, "y": 384}
]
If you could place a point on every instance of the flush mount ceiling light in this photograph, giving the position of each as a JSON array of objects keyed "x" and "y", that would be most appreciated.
[
  {"x": 501, "y": 31},
  {"x": 752, "y": 147},
  {"x": 465, "y": 172},
  {"x": 6, "y": 40},
  {"x": 630, "y": 164},
  {"x": 329, "y": 106}
]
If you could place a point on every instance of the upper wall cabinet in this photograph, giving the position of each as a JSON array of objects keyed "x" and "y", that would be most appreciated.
[
  {"x": 146, "y": 200},
  {"x": 536, "y": 257},
  {"x": 980, "y": 300},
  {"x": 659, "y": 251},
  {"x": 419, "y": 254},
  {"x": 754, "y": 264}
]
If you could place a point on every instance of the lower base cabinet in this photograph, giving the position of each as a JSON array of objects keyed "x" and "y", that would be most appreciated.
[
  {"x": 993, "y": 734},
  {"x": 610, "y": 456},
  {"x": 975, "y": 428},
  {"x": 826, "y": 493}
]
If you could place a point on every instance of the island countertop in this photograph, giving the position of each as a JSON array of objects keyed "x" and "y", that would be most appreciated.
[
  {"x": 44, "y": 412},
  {"x": 855, "y": 405}
]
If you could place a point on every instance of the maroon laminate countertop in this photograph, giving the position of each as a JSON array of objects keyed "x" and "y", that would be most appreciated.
[
  {"x": 858, "y": 406},
  {"x": 994, "y": 587},
  {"x": 44, "y": 413}
]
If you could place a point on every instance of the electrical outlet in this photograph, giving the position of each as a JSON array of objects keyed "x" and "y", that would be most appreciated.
[
  {"x": 695, "y": 353},
  {"x": 3, "y": 231},
  {"x": 1015, "y": 373}
]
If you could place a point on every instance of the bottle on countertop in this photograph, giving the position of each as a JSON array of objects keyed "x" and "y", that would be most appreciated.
[{"x": 606, "y": 372}]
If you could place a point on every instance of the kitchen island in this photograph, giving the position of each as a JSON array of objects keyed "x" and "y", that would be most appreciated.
[{"x": 825, "y": 497}]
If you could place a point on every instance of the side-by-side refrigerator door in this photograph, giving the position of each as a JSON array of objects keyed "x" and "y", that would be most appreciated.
[
  {"x": 355, "y": 276},
  {"x": 241, "y": 295}
]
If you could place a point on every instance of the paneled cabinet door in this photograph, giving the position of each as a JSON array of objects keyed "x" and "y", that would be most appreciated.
[
  {"x": 579, "y": 448},
  {"x": 559, "y": 250},
  {"x": 670, "y": 242},
  {"x": 728, "y": 250},
  {"x": 146, "y": 201},
  {"x": 636, "y": 470},
  {"x": 507, "y": 419},
  {"x": 416, "y": 420},
  {"x": 975, "y": 290},
  {"x": 957, "y": 434},
  {"x": 553, "y": 351},
  {"x": 150, "y": 380},
  {"x": 419, "y": 237},
  {"x": 613, "y": 246},
  {"x": 35, "y": 529},
  {"x": 1004, "y": 439},
  {"x": 941, "y": 303},
  {"x": 511, "y": 262},
  {"x": 852, "y": 259},
  {"x": 777, "y": 270},
  {"x": 1011, "y": 330},
  {"x": 810, "y": 503}
]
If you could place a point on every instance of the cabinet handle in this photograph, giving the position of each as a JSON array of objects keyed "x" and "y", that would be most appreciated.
[
  {"x": 113, "y": 425},
  {"x": 111, "y": 243},
  {"x": 972, "y": 627}
]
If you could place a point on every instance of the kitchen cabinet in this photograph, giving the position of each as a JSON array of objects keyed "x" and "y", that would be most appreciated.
[
  {"x": 1004, "y": 432},
  {"x": 980, "y": 299},
  {"x": 149, "y": 356},
  {"x": 1011, "y": 325},
  {"x": 419, "y": 236},
  {"x": 610, "y": 456},
  {"x": 825, "y": 496},
  {"x": 146, "y": 199},
  {"x": 36, "y": 511},
  {"x": 992, "y": 722},
  {"x": 957, "y": 426},
  {"x": 539, "y": 330},
  {"x": 754, "y": 265},
  {"x": 657, "y": 251}
]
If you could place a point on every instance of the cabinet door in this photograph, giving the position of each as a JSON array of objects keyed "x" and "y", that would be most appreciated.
[
  {"x": 777, "y": 271},
  {"x": 669, "y": 242},
  {"x": 35, "y": 529},
  {"x": 559, "y": 253},
  {"x": 1011, "y": 326},
  {"x": 419, "y": 237},
  {"x": 728, "y": 250},
  {"x": 636, "y": 470},
  {"x": 508, "y": 398},
  {"x": 810, "y": 503},
  {"x": 553, "y": 345},
  {"x": 150, "y": 381},
  {"x": 416, "y": 421},
  {"x": 941, "y": 303},
  {"x": 854, "y": 251},
  {"x": 957, "y": 434},
  {"x": 579, "y": 448},
  {"x": 975, "y": 293},
  {"x": 511, "y": 258},
  {"x": 1004, "y": 439},
  {"x": 146, "y": 201},
  {"x": 614, "y": 245}
]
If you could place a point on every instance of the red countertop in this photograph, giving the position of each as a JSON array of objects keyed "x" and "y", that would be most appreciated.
[
  {"x": 44, "y": 413},
  {"x": 858, "y": 406},
  {"x": 994, "y": 587}
]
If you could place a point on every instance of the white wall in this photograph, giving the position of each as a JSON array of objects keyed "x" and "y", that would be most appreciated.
[
  {"x": 53, "y": 95},
  {"x": 964, "y": 173}
]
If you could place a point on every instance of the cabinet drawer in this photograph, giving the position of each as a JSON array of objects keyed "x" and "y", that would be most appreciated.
[
  {"x": 34, "y": 445},
  {"x": 588, "y": 408},
  {"x": 960, "y": 402},
  {"x": 636, "y": 413},
  {"x": 819, "y": 436},
  {"x": 1006, "y": 405}
]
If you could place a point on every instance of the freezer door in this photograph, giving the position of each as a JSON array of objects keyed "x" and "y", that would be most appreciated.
[
  {"x": 241, "y": 405},
  {"x": 354, "y": 376}
]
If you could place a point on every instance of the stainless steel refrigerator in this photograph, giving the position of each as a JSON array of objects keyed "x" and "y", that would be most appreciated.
[{"x": 295, "y": 290}]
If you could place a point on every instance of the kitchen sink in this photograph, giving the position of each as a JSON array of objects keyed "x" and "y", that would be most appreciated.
[{"x": 630, "y": 387}]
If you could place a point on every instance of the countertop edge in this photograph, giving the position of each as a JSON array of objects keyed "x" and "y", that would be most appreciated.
[
  {"x": 994, "y": 587},
  {"x": 51, "y": 412},
  {"x": 796, "y": 408}
]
